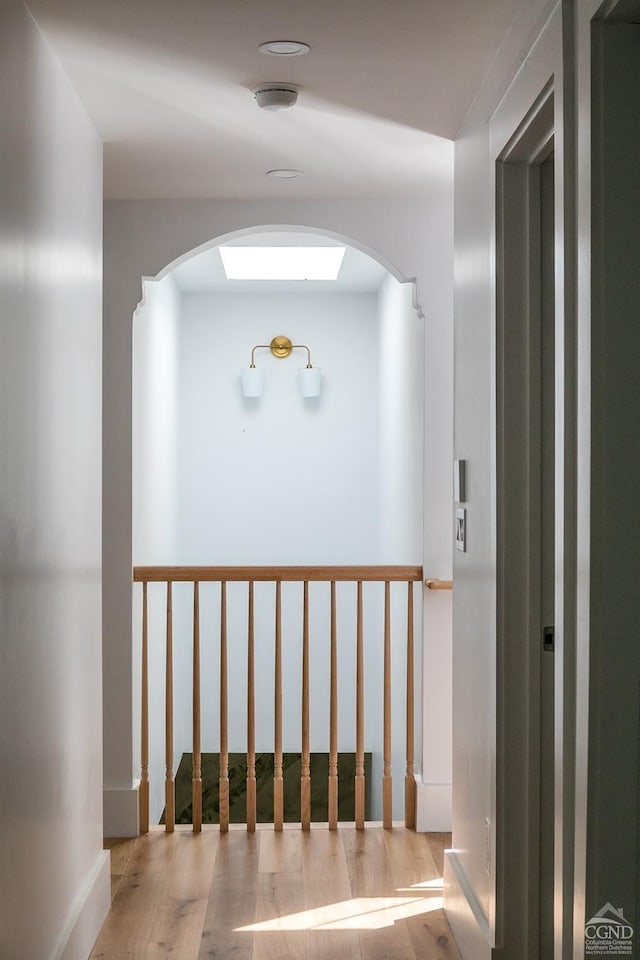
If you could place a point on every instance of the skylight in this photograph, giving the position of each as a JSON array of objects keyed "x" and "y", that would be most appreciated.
[{"x": 282, "y": 263}]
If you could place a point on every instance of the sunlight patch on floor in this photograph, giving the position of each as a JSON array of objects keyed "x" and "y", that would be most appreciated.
[
  {"x": 362, "y": 913},
  {"x": 427, "y": 885}
]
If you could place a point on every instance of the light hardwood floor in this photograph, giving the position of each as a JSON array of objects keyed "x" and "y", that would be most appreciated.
[{"x": 324, "y": 895}]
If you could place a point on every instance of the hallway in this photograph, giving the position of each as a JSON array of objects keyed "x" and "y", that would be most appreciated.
[{"x": 374, "y": 895}]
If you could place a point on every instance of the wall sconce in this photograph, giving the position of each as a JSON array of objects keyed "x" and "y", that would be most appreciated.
[{"x": 309, "y": 377}]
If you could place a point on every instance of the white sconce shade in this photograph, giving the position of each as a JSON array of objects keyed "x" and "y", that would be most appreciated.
[
  {"x": 252, "y": 381},
  {"x": 309, "y": 381},
  {"x": 309, "y": 378}
]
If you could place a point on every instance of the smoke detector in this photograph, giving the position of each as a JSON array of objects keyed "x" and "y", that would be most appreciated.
[{"x": 276, "y": 96}]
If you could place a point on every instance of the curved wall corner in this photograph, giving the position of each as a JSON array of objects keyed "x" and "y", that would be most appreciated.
[{"x": 146, "y": 238}]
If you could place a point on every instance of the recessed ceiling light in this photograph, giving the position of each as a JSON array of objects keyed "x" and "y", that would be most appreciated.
[
  {"x": 282, "y": 263},
  {"x": 284, "y": 48},
  {"x": 284, "y": 174}
]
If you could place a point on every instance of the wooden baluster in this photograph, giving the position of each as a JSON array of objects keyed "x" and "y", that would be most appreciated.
[
  {"x": 223, "y": 783},
  {"x": 278, "y": 795},
  {"x": 305, "y": 759},
  {"x": 333, "y": 718},
  {"x": 196, "y": 770},
  {"x": 251, "y": 718},
  {"x": 359, "y": 777},
  {"x": 169, "y": 786},
  {"x": 387, "y": 802},
  {"x": 409, "y": 780},
  {"x": 143, "y": 795}
]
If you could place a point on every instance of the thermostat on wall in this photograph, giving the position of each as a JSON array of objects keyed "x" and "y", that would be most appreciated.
[{"x": 461, "y": 529}]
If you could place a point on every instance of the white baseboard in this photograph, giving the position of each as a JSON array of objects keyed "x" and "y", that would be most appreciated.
[
  {"x": 465, "y": 915},
  {"x": 88, "y": 913},
  {"x": 121, "y": 811},
  {"x": 433, "y": 807}
]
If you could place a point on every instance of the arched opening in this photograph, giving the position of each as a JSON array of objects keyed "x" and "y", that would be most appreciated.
[{"x": 219, "y": 479}]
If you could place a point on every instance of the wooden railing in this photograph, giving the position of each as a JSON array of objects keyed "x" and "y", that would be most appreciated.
[{"x": 251, "y": 575}]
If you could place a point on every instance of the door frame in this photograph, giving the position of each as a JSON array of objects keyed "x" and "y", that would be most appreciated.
[{"x": 519, "y": 628}]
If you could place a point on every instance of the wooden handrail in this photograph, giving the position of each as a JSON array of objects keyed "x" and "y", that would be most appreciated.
[
  {"x": 435, "y": 584},
  {"x": 357, "y": 575},
  {"x": 277, "y": 574}
]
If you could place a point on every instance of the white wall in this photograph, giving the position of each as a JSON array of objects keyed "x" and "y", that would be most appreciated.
[
  {"x": 281, "y": 479},
  {"x": 156, "y": 347},
  {"x": 54, "y": 884},
  {"x": 277, "y": 480},
  {"x": 416, "y": 413},
  {"x": 474, "y": 572},
  {"x": 143, "y": 238},
  {"x": 434, "y": 798},
  {"x": 155, "y": 406},
  {"x": 401, "y": 417}
]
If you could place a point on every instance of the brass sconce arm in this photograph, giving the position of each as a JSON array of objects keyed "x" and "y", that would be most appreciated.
[
  {"x": 281, "y": 348},
  {"x": 258, "y": 346}
]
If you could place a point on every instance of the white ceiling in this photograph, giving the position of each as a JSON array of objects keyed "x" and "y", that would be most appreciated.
[
  {"x": 168, "y": 84},
  {"x": 203, "y": 273}
]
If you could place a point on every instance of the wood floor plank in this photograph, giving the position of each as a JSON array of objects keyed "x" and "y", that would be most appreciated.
[
  {"x": 180, "y": 916},
  {"x": 367, "y": 862},
  {"x": 280, "y": 895},
  {"x": 327, "y": 891},
  {"x": 232, "y": 898},
  {"x": 290, "y": 895},
  {"x": 129, "y": 925},
  {"x": 438, "y": 843},
  {"x": 177, "y": 930},
  {"x": 432, "y": 937},
  {"x": 193, "y": 864},
  {"x": 383, "y": 933},
  {"x": 121, "y": 849},
  {"x": 410, "y": 858},
  {"x": 416, "y": 874}
]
